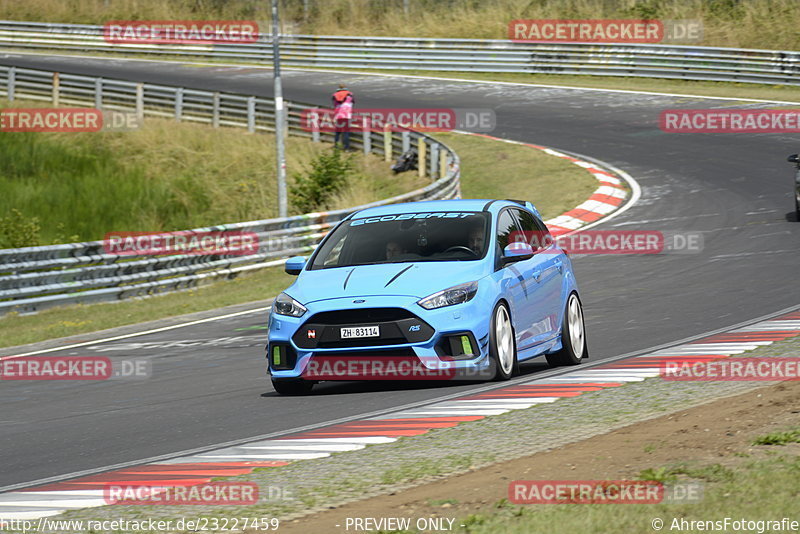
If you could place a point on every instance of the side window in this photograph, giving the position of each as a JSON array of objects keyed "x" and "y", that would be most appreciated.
[
  {"x": 534, "y": 230},
  {"x": 507, "y": 230},
  {"x": 335, "y": 253}
]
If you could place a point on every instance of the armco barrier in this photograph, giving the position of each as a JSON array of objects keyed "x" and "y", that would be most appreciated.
[
  {"x": 476, "y": 55},
  {"x": 34, "y": 278}
]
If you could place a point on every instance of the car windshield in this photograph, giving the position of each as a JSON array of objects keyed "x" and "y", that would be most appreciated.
[{"x": 407, "y": 237}]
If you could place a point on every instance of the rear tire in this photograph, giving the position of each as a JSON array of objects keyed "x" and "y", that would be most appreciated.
[
  {"x": 292, "y": 386},
  {"x": 573, "y": 335},
  {"x": 502, "y": 348}
]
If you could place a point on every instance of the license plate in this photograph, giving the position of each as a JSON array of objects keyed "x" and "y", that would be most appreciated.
[{"x": 360, "y": 331}]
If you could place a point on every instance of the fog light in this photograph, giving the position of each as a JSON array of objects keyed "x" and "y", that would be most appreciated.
[
  {"x": 281, "y": 357},
  {"x": 457, "y": 346},
  {"x": 466, "y": 346}
]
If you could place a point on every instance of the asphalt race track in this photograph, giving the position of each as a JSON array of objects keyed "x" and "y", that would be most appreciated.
[{"x": 208, "y": 384}]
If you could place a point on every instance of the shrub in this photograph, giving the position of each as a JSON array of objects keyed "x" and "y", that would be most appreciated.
[
  {"x": 16, "y": 231},
  {"x": 312, "y": 189}
]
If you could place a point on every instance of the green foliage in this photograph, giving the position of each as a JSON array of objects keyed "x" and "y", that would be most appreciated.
[
  {"x": 778, "y": 438},
  {"x": 711, "y": 473},
  {"x": 162, "y": 177},
  {"x": 658, "y": 474},
  {"x": 645, "y": 9},
  {"x": 69, "y": 180},
  {"x": 724, "y": 9},
  {"x": 17, "y": 231},
  {"x": 328, "y": 174},
  {"x": 61, "y": 235}
]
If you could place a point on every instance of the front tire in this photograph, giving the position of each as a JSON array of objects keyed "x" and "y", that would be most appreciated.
[
  {"x": 502, "y": 349},
  {"x": 573, "y": 335},
  {"x": 292, "y": 386}
]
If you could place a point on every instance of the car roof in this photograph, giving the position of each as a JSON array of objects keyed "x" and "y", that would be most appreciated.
[{"x": 438, "y": 205}]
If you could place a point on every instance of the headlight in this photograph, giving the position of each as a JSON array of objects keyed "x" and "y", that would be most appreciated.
[
  {"x": 448, "y": 297},
  {"x": 286, "y": 305}
]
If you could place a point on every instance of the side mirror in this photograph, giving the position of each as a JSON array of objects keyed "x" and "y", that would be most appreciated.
[
  {"x": 793, "y": 159},
  {"x": 295, "y": 264},
  {"x": 517, "y": 251}
]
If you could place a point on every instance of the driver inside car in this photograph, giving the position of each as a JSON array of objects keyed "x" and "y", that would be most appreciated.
[
  {"x": 476, "y": 239},
  {"x": 394, "y": 249}
]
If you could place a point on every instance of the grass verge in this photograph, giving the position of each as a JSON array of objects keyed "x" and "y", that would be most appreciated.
[
  {"x": 164, "y": 176},
  {"x": 494, "y": 169},
  {"x": 764, "y": 489},
  {"x": 554, "y": 184}
]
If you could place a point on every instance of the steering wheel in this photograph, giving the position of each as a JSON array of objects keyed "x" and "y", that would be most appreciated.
[{"x": 460, "y": 248}]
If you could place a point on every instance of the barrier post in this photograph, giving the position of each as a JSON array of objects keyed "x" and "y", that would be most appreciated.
[
  {"x": 215, "y": 110},
  {"x": 139, "y": 102},
  {"x": 434, "y": 160},
  {"x": 314, "y": 118},
  {"x": 287, "y": 106},
  {"x": 422, "y": 152},
  {"x": 178, "y": 104},
  {"x": 366, "y": 135},
  {"x": 12, "y": 83},
  {"x": 56, "y": 87},
  {"x": 387, "y": 143},
  {"x": 98, "y": 93},
  {"x": 251, "y": 114}
]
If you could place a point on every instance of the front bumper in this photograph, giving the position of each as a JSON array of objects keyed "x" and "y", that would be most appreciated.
[{"x": 453, "y": 337}]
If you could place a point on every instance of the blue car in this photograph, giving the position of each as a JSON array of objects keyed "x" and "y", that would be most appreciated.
[{"x": 465, "y": 287}]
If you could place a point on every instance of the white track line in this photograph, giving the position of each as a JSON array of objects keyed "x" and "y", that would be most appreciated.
[{"x": 142, "y": 333}]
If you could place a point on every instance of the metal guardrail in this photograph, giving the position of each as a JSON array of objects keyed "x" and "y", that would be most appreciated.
[
  {"x": 476, "y": 55},
  {"x": 34, "y": 278}
]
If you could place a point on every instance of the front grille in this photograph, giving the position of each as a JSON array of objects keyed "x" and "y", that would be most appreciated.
[
  {"x": 361, "y": 316},
  {"x": 377, "y": 353},
  {"x": 363, "y": 342},
  {"x": 397, "y": 327}
]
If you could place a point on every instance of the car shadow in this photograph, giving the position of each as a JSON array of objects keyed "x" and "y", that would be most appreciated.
[
  {"x": 792, "y": 216},
  {"x": 530, "y": 368}
]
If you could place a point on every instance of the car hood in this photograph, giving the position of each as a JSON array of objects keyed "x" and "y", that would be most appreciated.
[{"x": 402, "y": 279}]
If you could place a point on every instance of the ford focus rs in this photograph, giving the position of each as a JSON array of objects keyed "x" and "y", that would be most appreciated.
[{"x": 436, "y": 289}]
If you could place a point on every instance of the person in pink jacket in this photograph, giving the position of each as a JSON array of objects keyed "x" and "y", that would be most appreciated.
[{"x": 343, "y": 101}]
